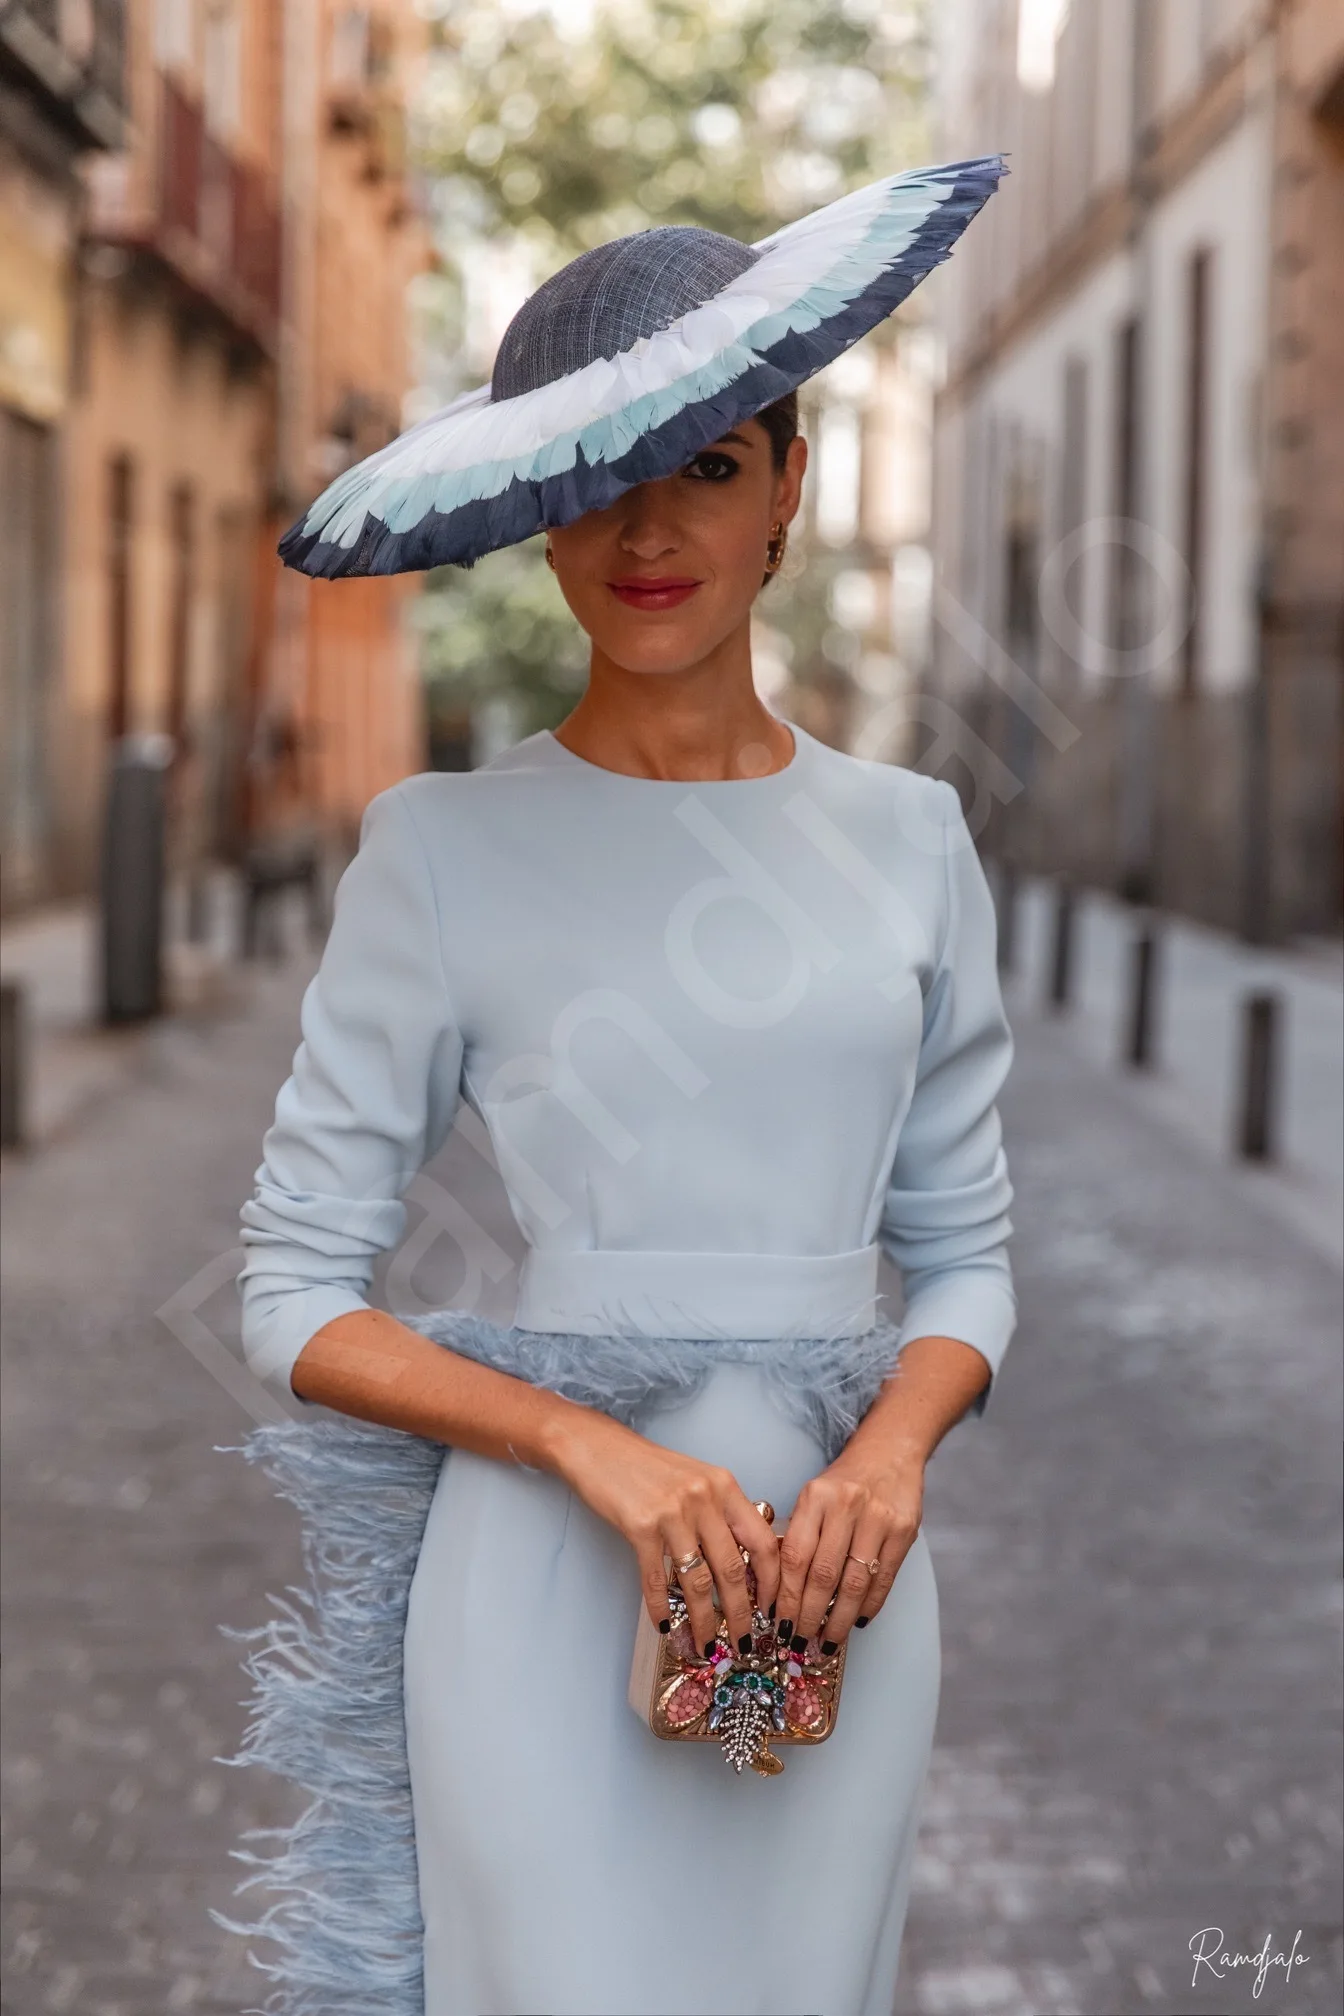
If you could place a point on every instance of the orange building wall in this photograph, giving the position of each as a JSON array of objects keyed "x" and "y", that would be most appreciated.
[
  {"x": 341, "y": 654},
  {"x": 169, "y": 400},
  {"x": 166, "y": 379}
]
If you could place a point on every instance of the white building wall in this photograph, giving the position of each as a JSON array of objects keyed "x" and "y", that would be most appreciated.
[
  {"x": 1223, "y": 205},
  {"x": 1018, "y": 404}
]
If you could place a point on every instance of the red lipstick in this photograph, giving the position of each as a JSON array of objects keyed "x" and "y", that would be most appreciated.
[{"x": 648, "y": 591}]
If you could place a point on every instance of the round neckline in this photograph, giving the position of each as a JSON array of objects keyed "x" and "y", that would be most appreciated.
[{"x": 790, "y": 769}]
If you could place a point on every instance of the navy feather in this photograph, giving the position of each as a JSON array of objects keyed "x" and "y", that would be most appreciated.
[{"x": 462, "y": 536}]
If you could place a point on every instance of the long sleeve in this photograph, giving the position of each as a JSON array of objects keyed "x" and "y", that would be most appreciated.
[
  {"x": 371, "y": 1096},
  {"x": 945, "y": 1220}
]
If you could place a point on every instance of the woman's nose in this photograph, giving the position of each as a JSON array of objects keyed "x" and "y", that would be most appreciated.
[{"x": 648, "y": 524}]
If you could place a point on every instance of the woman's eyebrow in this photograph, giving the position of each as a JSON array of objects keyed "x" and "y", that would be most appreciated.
[{"x": 740, "y": 439}]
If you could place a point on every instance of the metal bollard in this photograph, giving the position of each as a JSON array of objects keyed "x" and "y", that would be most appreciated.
[
  {"x": 13, "y": 1065},
  {"x": 1258, "y": 1124},
  {"x": 1143, "y": 989},
  {"x": 1006, "y": 908},
  {"x": 1061, "y": 964},
  {"x": 132, "y": 878}
]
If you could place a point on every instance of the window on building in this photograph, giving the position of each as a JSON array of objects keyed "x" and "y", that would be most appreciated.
[
  {"x": 175, "y": 32},
  {"x": 1198, "y": 287},
  {"x": 1073, "y": 496},
  {"x": 28, "y": 589},
  {"x": 182, "y": 588},
  {"x": 221, "y": 68},
  {"x": 120, "y": 559},
  {"x": 1125, "y": 486}
]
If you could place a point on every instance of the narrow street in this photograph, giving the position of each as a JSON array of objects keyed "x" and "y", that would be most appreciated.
[{"x": 1136, "y": 1553}]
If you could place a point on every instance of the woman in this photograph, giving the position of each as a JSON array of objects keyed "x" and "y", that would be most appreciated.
[{"x": 726, "y": 1001}]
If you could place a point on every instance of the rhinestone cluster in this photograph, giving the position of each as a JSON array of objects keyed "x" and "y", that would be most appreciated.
[{"x": 746, "y": 1697}]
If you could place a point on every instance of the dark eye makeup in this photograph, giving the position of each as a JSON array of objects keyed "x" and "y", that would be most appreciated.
[{"x": 711, "y": 465}]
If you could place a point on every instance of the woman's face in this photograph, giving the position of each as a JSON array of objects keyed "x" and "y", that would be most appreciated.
[{"x": 663, "y": 576}]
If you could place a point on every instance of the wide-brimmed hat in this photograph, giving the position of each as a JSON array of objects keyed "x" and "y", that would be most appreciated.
[{"x": 627, "y": 363}]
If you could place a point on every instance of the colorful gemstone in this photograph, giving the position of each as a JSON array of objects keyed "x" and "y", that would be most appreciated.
[
  {"x": 681, "y": 1641},
  {"x": 802, "y": 1703},
  {"x": 687, "y": 1700}
]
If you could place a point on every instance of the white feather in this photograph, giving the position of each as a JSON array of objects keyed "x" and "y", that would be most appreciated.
[{"x": 485, "y": 443}]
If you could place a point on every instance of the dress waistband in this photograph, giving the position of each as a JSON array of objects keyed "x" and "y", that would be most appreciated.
[{"x": 747, "y": 1295}]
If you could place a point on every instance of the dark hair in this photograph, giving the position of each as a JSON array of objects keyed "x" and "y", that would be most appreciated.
[{"x": 780, "y": 422}]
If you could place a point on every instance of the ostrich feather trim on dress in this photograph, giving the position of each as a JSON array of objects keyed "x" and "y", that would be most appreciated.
[{"x": 326, "y": 1710}]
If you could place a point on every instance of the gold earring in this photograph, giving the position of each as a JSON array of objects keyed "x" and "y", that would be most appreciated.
[
  {"x": 550, "y": 557},
  {"x": 774, "y": 550}
]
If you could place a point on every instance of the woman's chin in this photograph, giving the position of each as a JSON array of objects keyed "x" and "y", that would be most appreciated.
[{"x": 662, "y": 649}]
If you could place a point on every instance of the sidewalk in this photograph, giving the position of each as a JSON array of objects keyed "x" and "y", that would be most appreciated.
[
  {"x": 1136, "y": 1555},
  {"x": 72, "y": 1061},
  {"x": 1194, "y": 1085}
]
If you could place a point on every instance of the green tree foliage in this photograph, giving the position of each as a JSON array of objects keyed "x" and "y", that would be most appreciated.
[
  {"x": 736, "y": 115},
  {"x": 503, "y": 628},
  {"x": 732, "y": 114}
]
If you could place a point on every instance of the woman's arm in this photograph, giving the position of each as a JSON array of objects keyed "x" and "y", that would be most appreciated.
[
  {"x": 870, "y": 1501},
  {"x": 369, "y": 1365},
  {"x": 370, "y": 1099},
  {"x": 945, "y": 1223}
]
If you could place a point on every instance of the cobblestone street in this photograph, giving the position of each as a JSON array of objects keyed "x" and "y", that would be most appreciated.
[{"x": 1137, "y": 1554}]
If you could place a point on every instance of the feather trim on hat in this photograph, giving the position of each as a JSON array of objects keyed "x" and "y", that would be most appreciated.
[{"x": 482, "y": 473}]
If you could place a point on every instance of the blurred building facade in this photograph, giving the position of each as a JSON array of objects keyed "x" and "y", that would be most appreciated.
[
  {"x": 848, "y": 659},
  {"x": 342, "y": 714},
  {"x": 62, "y": 96},
  {"x": 1139, "y": 449},
  {"x": 236, "y": 275}
]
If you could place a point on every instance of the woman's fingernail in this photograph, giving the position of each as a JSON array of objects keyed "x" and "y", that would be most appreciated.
[
  {"x": 828, "y": 1645},
  {"x": 861, "y": 1621},
  {"x": 770, "y": 1613},
  {"x": 744, "y": 1642},
  {"x": 798, "y": 1643},
  {"x": 664, "y": 1623},
  {"x": 786, "y": 1627},
  {"x": 709, "y": 1648}
]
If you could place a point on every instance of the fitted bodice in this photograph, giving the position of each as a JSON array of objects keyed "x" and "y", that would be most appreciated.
[{"x": 755, "y": 1019}]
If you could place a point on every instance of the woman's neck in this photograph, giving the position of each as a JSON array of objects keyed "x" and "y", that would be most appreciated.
[{"x": 707, "y": 724}]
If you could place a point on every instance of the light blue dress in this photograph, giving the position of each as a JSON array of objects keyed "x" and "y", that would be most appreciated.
[{"x": 729, "y": 1040}]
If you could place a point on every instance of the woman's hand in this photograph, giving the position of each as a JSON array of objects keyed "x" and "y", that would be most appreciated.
[
  {"x": 664, "y": 1502},
  {"x": 868, "y": 1503}
]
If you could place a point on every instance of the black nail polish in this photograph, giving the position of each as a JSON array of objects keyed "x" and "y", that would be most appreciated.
[
  {"x": 709, "y": 1648},
  {"x": 664, "y": 1623},
  {"x": 770, "y": 1613},
  {"x": 828, "y": 1645},
  {"x": 798, "y": 1643},
  {"x": 861, "y": 1622},
  {"x": 786, "y": 1627},
  {"x": 744, "y": 1642}
]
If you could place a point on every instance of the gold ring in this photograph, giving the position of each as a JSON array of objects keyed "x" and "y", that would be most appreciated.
[
  {"x": 691, "y": 1561},
  {"x": 871, "y": 1566}
]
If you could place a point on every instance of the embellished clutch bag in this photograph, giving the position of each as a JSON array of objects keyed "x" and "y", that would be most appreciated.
[{"x": 744, "y": 1701}]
